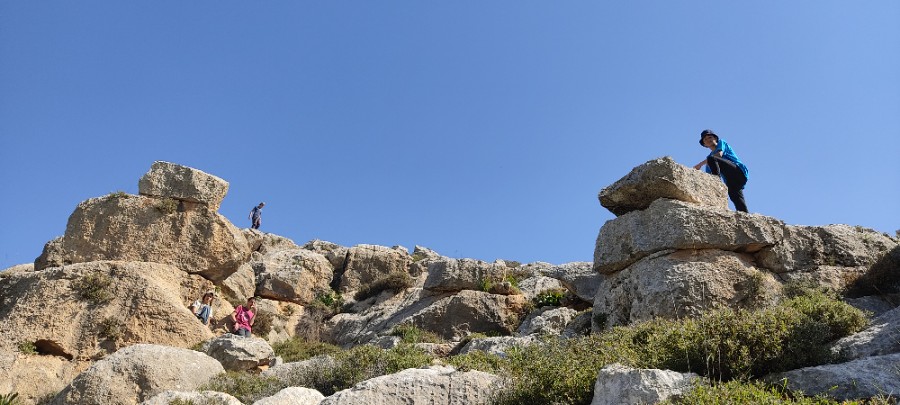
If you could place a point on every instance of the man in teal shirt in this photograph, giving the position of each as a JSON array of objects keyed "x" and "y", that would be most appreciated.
[{"x": 723, "y": 162}]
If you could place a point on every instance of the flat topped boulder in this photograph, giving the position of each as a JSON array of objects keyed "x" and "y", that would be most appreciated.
[
  {"x": 663, "y": 178},
  {"x": 183, "y": 183}
]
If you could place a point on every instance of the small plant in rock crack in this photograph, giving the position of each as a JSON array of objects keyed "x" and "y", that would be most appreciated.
[{"x": 94, "y": 287}]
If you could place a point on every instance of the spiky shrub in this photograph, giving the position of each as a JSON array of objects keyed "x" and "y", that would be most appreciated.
[
  {"x": 394, "y": 282},
  {"x": 409, "y": 333},
  {"x": 297, "y": 349},
  {"x": 94, "y": 287},
  {"x": 246, "y": 387},
  {"x": 11, "y": 398},
  {"x": 111, "y": 329}
]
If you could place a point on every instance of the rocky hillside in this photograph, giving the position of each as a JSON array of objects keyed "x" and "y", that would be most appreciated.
[{"x": 101, "y": 317}]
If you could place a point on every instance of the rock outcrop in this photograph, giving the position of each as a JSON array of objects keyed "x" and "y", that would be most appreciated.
[
  {"x": 619, "y": 385},
  {"x": 366, "y": 264},
  {"x": 237, "y": 353},
  {"x": 858, "y": 379},
  {"x": 138, "y": 373},
  {"x": 192, "y": 397},
  {"x": 880, "y": 338},
  {"x": 183, "y": 183},
  {"x": 293, "y": 396},
  {"x": 294, "y": 275},
  {"x": 436, "y": 385}
]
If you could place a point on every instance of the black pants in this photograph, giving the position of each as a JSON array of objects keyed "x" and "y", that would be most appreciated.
[{"x": 734, "y": 179}]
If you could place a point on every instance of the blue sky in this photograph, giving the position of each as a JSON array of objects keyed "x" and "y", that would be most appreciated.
[{"x": 478, "y": 129}]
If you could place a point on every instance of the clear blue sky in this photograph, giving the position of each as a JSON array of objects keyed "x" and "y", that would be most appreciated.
[{"x": 479, "y": 129}]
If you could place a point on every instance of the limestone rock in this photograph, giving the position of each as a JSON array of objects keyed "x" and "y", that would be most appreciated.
[
  {"x": 137, "y": 373},
  {"x": 682, "y": 284},
  {"x": 873, "y": 304},
  {"x": 293, "y": 396},
  {"x": 432, "y": 386},
  {"x": 183, "y": 183},
  {"x": 366, "y": 264},
  {"x": 579, "y": 278},
  {"x": 240, "y": 285},
  {"x": 617, "y": 384},
  {"x": 94, "y": 308},
  {"x": 580, "y": 326},
  {"x": 237, "y": 353},
  {"x": 880, "y": 338},
  {"x": 336, "y": 254},
  {"x": 670, "y": 224},
  {"x": 832, "y": 245},
  {"x": 294, "y": 275},
  {"x": 858, "y": 379},
  {"x": 192, "y": 397},
  {"x": 498, "y": 345},
  {"x": 35, "y": 377},
  {"x": 663, "y": 178},
  {"x": 547, "y": 321},
  {"x": 453, "y": 275},
  {"x": 193, "y": 237}
]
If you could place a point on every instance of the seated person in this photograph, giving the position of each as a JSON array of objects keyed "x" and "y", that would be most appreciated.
[
  {"x": 202, "y": 308},
  {"x": 243, "y": 317}
]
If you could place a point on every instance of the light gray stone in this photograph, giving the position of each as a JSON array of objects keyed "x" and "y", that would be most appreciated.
[
  {"x": 192, "y": 397},
  {"x": 138, "y": 373},
  {"x": 237, "y": 353},
  {"x": 663, "y": 178},
  {"x": 858, "y": 379},
  {"x": 531, "y": 287},
  {"x": 547, "y": 321},
  {"x": 873, "y": 304},
  {"x": 810, "y": 247},
  {"x": 183, "y": 183},
  {"x": 293, "y": 396},
  {"x": 498, "y": 345},
  {"x": 295, "y": 275},
  {"x": 670, "y": 224},
  {"x": 617, "y": 385},
  {"x": 366, "y": 264},
  {"x": 880, "y": 338},
  {"x": 453, "y": 275},
  {"x": 431, "y": 386},
  {"x": 579, "y": 278},
  {"x": 682, "y": 284}
]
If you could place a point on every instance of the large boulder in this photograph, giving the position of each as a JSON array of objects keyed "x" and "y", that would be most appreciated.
[
  {"x": 238, "y": 353},
  {"x": 190, "y": 236},
  {"x": 431, "y": 386},
  {"x": 881, "y": 337},
  {"x": 183, "y": 183},
  {"x": 192, "y": 397},
  {"x": 670, "y": 224},
  {"x": 365, "y": 264},
  {"x": 619, "y": 385},
  {"x": 531, "y": 287},
  {"x": 858, "y": 379},
  {"x": 663, "y": 178},
  {"x": 293, "y": 396},
  {"x": 81, "y": 310},
  {"x": 138, "y": 373},
  {"x": 579, "y": 278},
  {"x": 336, "y": 254},
  {"x": 680, "y": 284},
  {"x": 451, "y": 275},
  {"x": 547, "y": 321},
  {"x": 35, "y": 376},
  {"x": 295, "y": 275}
]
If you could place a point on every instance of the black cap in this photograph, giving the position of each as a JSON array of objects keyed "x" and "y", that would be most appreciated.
[{"x": 705, "y": 133}]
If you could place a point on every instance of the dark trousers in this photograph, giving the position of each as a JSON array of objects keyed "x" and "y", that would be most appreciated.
[
  {"x": 256, "y": 223},
  {"x": 734, "y": 179}
]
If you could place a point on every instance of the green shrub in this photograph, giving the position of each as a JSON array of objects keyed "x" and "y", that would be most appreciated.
[
  {"x": 549, "y": 298},
  {"x": 263, "y": 323},
  {"x": 478, "y": 360},
  {"x": 246, "y": 387},
  {"x": 11, "y": 398},
  {"x": 94, "y": 287},
  {"x": 394, "y": 282},
  {"x": 166, "y": 205},
  {"x": 26, "y": 347},
  {"x": 328, "y": 300},
  {"x": 110, "y": 329},
  {"x": 118, "y": 194},
  {"x": 418, "y": 257},
  {"x": 742, "y": 392},
  {"x": 412, "y": 334},
  {"x": 296, "y": 349}
]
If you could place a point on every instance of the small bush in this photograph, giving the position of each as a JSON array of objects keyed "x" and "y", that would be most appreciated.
[
  {"x": 742, "y": 392},
  {"x": 26, "y": 347},
  {"x": 394, "y": 282},
  {"x": 549, "y": 298},
  {"x": 94, "y": 287},
  {"x": 11, "y": 398},
  {"x": 418, "y": 257},
  {"x": 328, "y": 300},
  {"x": 247, "y": 388},
  {"x": 110, "y": 329},
  {"x": 296, "y": 349},
  {"x": 478, "y": 360},
  {"x": 412, "y": 334},
  {"x": 263, "y": 323},
  {"x": 166, "y": 205},
  {"x": 118, "y": 194}
]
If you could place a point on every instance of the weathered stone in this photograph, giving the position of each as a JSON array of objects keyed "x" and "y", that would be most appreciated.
[
  {"x": 433, "y": 386},
  {"x": 682, "y": 284},
  {"x": 295, "y": 275},
  {"x": 240, "y": 285},
  {"x": 137, "y": 373},
  {"x": 872, "y": 304},
  {"x": 192, "y": 237},
  {"x": 35, "y": 377},
  {"x": 237, "y": 353},
  {"x": 453, "y": 275},
  {"x": 547, "y": 321},
  {"x": 293, "y": 396},
  {"x": 283, "y": 319},
  {"x": 810, "y": 247},
  {"x": 532, "y": 286},
  {"x": 663, "y": 178},
  {"x": 857, "y": 379},
  {"x": 880, "y": 338},
  {"x": 183, "y": 183},
  {"x": 81, "y": 310},
  {"x": 367, "y": 263},
  {"x": 580, "y": 326},
  {"x": 617, "y": 385},
  {"x": 498, "y": 345},
  {"x": 579, "y": 278},
  {"x": 670, "y": 224},
  {"x": 192, "y": 397},
  {"x": 336, "y": 254}
]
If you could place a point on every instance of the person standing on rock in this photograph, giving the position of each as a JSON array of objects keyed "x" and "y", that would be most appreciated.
[
  {"x": 724, "y": 163},
  {"x": 256, "y": 215},
  {"x": 243, "y": 317}
]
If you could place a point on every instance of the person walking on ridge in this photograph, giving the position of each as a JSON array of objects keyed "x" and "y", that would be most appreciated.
[
  {"x": 724, "y": 163},
  {"x": 256, "y": 215}
]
